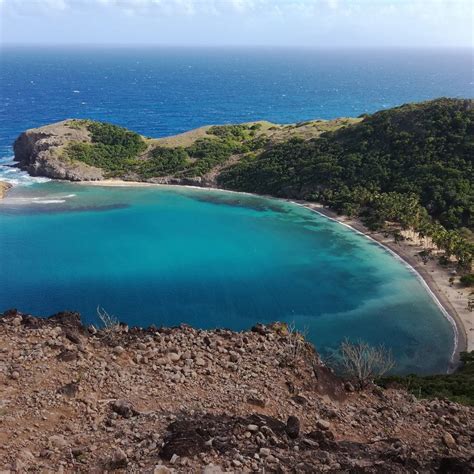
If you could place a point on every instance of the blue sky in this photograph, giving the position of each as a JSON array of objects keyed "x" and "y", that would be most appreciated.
[{"x": 309, "y": 23}]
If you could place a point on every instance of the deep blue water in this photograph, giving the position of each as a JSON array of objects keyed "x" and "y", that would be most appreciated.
[
  {"x": 164, "y": 91},
  {"x": 163, "y": 257}
]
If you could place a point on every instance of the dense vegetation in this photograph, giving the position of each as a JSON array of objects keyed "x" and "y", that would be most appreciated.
[
  {"x": 118, "y": 151},
  {"x": 458, "y": 387},
  {"x": 227, "y": 140},
  {"x": 412, "y": 165},
  {"x": 163, "y": 161},
  {"x": 112, "y": 148}
]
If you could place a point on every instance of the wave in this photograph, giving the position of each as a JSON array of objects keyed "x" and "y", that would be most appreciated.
[
  {"x": 50, "y": 201},
  {"x": 15, "y": 176}
]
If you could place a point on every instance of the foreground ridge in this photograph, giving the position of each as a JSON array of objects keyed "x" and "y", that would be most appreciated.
[{"x": 186, "y": 400}]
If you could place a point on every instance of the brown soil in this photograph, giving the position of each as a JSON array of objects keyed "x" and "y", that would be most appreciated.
[{"x": 186, "y": 400}]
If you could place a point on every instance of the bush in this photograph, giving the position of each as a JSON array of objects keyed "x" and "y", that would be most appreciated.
[
  {"x": 164, "y": 161},
  {"x": 457, "y": 387},
  {"x": 112, "y": 135},
  {"x": 209, "y": 153},
  {"x": 236, "y": 132},
  {"x": 467, "y": 280},
  {"x": 113, "y": 148},
  {"x": 361, "y": 362}
]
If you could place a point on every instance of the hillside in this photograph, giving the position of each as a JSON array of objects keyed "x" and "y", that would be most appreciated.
[
  {"x": 77, "y": 399},
  {"x": 81, "y": 150},
  {"x": 411, "y": 166},
  {"x": 424, "y": 151}
]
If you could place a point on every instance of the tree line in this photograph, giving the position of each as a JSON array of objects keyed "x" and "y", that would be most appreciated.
[{"x": 412, "y": 165}]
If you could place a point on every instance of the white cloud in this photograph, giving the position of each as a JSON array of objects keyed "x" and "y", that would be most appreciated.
[
  {"x": 351, "y": 22},
  {"x": 261, "y": 7}
]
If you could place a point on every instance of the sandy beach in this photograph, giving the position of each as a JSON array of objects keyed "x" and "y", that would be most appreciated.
[{"x": 451, "y": 299}]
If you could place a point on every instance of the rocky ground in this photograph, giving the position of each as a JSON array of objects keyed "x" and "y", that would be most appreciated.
[{"x": 73, "y": 399}]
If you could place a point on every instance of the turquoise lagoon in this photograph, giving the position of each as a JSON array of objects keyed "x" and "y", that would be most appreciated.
[{"x": 169, "y": 255}]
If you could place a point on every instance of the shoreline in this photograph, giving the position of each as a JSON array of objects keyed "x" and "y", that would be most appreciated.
[
  {"x": 429, "y": 275},
  {"x": 450, "y": 299}
]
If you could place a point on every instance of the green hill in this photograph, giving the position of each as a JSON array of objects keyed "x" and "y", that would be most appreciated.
[{"x": 412, "y": 165}]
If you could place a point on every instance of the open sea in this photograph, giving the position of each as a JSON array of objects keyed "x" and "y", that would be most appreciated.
[{"x": 212, "y": 259}]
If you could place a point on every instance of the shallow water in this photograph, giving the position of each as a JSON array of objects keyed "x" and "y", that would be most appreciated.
[{"x": 167, "y": 255}]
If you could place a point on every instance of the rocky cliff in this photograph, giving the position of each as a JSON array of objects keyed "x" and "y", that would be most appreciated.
[
  {"x": 74, "y": 399},
  {"x": 39, "y": 152}
]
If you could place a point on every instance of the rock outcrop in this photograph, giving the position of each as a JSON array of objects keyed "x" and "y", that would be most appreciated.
[
  {"x": 4, "y": 188},
  {"x": 77, "y": 399},
  {"x": 39, "y": 152}
]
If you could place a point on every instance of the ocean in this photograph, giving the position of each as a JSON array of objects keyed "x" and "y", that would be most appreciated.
[
  {"x": 160, "y": 92},
  {"x": 212, "y": 259}
]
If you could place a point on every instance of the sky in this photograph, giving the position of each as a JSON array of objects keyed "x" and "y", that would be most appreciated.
[{"x": 306, "y": 23}]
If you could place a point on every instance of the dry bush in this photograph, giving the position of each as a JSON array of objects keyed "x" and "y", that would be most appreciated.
[
  {"x": 110, "y": 324},
  {"x": 361, "y": 362},
  {"x": 295, "y": 344}
]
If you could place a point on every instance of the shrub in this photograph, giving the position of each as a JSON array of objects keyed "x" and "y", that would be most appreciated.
[
  {"x": 113, "y": 148},
  {"x": 467, "y": 280},
  {"x": 112, "y": 135},
  {"x": 361, "y": 362},
  {"x": 457, "y": 387},
  {"x": 110, "y": 324},
  {"x": 239, "y": 132},
  {"x": 164, "y": 161},
  {"x": 209, "y": 153}
]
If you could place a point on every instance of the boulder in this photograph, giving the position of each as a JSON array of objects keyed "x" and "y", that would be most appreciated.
[
  {"x": 124, "y": 408},
  {"x": 449, "y": 441},
  {"x": 293, "y": 427},
  {"x": 117, "y": 460}
]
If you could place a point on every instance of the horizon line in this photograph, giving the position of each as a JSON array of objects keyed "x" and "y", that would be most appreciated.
[{"x": 234, "y": 46}]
